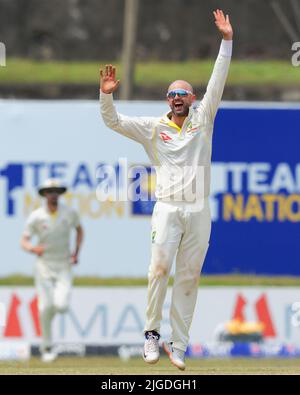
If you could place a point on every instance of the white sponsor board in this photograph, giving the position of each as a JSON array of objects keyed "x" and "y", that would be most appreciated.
[
  {"x": 116, "y": 315},
  {"x": 68, "y": 140},
  {"x": 2, "y": 314}
]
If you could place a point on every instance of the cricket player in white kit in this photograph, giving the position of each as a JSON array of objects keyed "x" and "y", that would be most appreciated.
[
  {"x": 179, "y": 145},
  {"x": 52, "y": 224}
]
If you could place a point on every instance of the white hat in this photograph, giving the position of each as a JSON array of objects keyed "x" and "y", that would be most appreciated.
[{"x": 51, "y": 185}]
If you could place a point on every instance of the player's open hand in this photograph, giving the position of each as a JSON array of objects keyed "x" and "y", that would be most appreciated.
[
  {"x": 223, "y": 24},
  {"x": 108, "y": 82},
  {"x": 74, "y": 259},
  {"x": 38, "y": 250}
]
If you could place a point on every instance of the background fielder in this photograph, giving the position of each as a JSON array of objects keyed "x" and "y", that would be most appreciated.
[{"x": 52, "y": 224}]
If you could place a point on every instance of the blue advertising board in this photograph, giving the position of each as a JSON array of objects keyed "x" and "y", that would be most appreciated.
[
  {"x": 256, "y": 154},
  {"x": 255, "y": 193}
]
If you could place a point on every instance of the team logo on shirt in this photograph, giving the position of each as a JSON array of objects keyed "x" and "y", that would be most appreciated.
[
  {"x": 164, "y": 136},
  {"x": 192, "y": 131}
]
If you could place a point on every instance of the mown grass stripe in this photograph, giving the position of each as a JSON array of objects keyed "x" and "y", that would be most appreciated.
[
  {"x": 211, "y": 280},
  {"x": 150, "y": 73}
]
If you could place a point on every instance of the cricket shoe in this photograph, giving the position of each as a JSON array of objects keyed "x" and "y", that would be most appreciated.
[
  {"x": 48, "y": 355},
  {"x": 175, "y": 355},
  {"x": 151, "y": 347}
]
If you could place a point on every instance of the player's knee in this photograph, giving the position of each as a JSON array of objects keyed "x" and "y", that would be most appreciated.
[
  {"x": 61, "y": 307},
  {"x": 46, "y": 308},
  {"x": 160, "y": 264},
  {"x": 159, "y": 269},
  {"x": 190, "y": 279}
]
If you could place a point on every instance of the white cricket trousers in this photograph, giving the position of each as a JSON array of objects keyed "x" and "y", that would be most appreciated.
[
  {"x": 176, "y": 228},
  {"x": 53, "y": 282}
]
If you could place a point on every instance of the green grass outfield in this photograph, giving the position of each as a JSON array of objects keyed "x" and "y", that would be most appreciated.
[
  {"x": 113, "y": 365},
  {"x": 150, "y": 73},
  {"x": 205, "y": 280}
]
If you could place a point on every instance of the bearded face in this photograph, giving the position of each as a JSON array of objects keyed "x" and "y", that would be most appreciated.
[
  {"x": 180, "y": 97},
  {"x": 180, "y": 106}
]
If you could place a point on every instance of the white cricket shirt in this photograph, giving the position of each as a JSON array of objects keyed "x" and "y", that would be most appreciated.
[
  {"x": 182, "y": 157},
  {"x": 53, "y": 231}
]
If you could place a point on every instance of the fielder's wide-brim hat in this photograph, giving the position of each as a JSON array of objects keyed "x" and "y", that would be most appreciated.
[{"x": 52, "y": 185}]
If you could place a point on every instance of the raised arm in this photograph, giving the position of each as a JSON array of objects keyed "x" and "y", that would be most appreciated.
[
  {"x": 136, "y": 128},
  {"x": 215, "y": 87}
]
